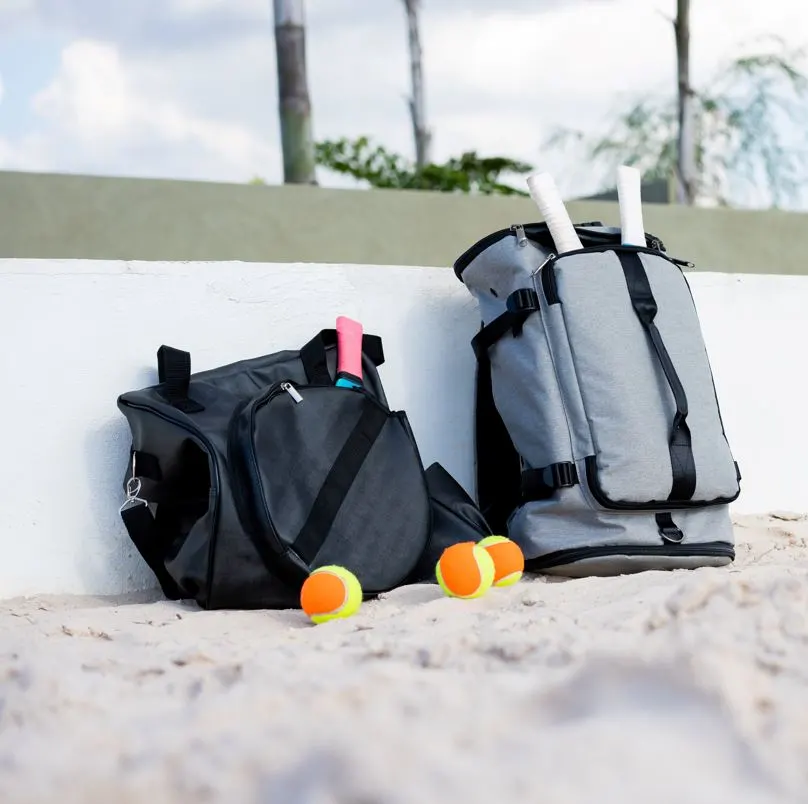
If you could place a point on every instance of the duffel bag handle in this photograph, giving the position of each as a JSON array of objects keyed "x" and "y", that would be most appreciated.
[{"x": 313, "y": 355}]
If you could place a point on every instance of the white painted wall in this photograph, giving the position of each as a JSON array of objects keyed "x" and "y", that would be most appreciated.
[{"x": 75, "y": 334}]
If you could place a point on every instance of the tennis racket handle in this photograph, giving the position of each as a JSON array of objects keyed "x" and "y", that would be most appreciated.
[
  {"x": 629, "y": 196},
  {"x": 349, "y": 347},
  {"x": 545, "y": 194}
]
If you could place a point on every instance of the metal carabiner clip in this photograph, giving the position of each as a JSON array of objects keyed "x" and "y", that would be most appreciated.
[{"x": 133, "y": 487}]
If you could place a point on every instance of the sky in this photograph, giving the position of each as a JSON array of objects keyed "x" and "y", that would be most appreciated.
[{"x": 187, "y": 88}]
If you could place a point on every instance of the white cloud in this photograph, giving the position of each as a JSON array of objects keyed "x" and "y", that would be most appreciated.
[
  {"x": 97, "y": 102},
  {"x": 187, "y": 88}
]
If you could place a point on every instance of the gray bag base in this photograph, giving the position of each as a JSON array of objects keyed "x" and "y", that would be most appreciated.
[{"x": 600, "y": 444}]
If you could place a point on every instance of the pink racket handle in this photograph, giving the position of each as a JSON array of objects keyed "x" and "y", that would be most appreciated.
[{"x": 349, "y": 349}]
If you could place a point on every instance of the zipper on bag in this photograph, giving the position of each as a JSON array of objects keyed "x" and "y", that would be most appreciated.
[
  {"x": 292, "y": 391},
  {"x": 521, "y": 238},
  {"x": 573, "y": 555},
  {"x": 539, "y": 234}
]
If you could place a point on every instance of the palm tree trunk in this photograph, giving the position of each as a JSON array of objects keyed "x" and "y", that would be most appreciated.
[
  {"x": 686, "y": 179},
  {"x": 293, "y": 93},
  {"x": 417, "y": 106}
]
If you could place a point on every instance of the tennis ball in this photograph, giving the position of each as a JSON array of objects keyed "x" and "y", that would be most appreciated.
[
  {"x": 329, "y": 593},
  {"x": 465, "y": 570},
  {"x": 509, "y": 561}
]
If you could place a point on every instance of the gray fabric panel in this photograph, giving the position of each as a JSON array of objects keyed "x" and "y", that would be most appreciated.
[
  {"x": 524, "y": 386},
  {"x": 678, "y": 323},
  {"x": 527, "y": 396},
  {"x": 628, "y": 403},
  {"x": 625, "y": 565},
  {"x": 503, "y": 267},
  {"x": 569, "y": 521},
  {"x": 568, "y": 381}
]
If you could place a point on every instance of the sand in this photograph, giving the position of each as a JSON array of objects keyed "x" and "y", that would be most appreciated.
[{"x": 658, "y": 687}]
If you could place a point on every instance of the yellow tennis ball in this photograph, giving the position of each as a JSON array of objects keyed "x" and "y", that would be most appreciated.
[
  {"x": 329, "y": 593},
  {"x": 509, "y": 561},
  {"x": 465, "y": 570}
]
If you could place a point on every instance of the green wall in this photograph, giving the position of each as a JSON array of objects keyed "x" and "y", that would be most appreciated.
[{"x": 64, "y": 216}]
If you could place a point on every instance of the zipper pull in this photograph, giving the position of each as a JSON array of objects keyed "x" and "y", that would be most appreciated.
[
  {"x": 550, "y": 257},
  {"x": 682, "y": 262},
  {"x": 521, "y": 238},
  {"x": 292, "y": 391}
]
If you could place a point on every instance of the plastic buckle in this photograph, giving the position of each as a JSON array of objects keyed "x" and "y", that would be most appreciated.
[
  {"x": 523, "y": 300},
  {"x": 521, "y": 303},
  {"x": 564, "y": 475}
]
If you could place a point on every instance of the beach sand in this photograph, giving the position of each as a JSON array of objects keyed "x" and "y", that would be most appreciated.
[{"x": 685, "y": 686}]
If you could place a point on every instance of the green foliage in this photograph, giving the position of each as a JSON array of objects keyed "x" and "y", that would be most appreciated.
[
  {"x": 374, "y": 164},
  {"x": 741, "y": 117}
]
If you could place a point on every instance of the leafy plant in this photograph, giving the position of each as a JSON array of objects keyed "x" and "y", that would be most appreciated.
[
  {"x": 743, "y": 117},
  {"x": 379, "y": 167}
]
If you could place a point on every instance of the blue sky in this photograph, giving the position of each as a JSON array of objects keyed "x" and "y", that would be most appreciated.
[{"x": 187, "y": 89}]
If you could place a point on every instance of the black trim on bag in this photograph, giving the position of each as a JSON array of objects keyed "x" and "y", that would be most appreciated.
[
  {"x": 548, "y": 283},
  {"x": 604, "y": 501},
  {"x": 573, "y": 555},
  {"x": 539, "y": 233}
]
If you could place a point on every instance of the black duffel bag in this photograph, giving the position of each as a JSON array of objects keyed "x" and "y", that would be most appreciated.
[{"x": 244, "y": 478}]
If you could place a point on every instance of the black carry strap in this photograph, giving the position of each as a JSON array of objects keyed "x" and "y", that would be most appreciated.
[
  {"x": 315, "y": 363},
  {"x": 520, "y": 304},
  {"x": 145, "y": 535},
  {"x": 174, "y": 374},
  {"x": 498, "y": 466},
  {"x": 539, "y": 484},
  {"x": 680, "y": 445},
  {"x": 339, "y": 480}
]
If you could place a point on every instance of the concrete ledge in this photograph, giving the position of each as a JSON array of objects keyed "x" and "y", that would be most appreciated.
[
  {"x": 78, "y": 333},
  {"x": 86, "y": 217}
]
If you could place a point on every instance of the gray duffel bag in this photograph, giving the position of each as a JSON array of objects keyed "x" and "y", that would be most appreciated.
[{"x": 600, "y": 447}]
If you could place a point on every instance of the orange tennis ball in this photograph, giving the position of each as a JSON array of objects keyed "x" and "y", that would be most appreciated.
[
  {"x": 465, "y": 570},
  {"x": 329, "y": 593},
  {"x": 509, "y": 561}
]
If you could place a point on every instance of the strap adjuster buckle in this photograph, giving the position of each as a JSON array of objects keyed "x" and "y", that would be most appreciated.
[
  {"x": 520, "y": 304},
  {"x": 564, "y": 475}
]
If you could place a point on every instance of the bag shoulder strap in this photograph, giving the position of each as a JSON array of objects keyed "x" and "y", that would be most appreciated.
[{"x": 498, "y": 466}]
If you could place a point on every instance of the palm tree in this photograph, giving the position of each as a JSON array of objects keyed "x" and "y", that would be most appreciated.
[{"x": 293, "y": 93}]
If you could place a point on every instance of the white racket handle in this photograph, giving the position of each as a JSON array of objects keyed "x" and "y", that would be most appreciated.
[
  {"x": 545, "y": 194},
  {"x": 629, "y": 197}
]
